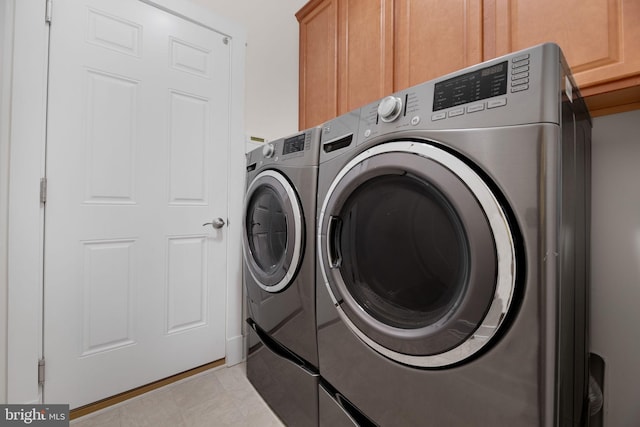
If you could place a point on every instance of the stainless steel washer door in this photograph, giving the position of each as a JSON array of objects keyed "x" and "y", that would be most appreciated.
[
  {"x": 273, "y": 231},
  {"x": 417, "y": 253}
]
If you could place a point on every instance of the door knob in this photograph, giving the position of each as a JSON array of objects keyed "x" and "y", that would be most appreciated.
[{"x": 216, "y": 223}]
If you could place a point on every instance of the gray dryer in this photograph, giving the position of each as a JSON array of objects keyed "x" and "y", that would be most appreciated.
[{"x": 453, "y": 244}]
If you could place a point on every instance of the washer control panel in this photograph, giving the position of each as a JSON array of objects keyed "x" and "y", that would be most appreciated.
[
  {"x": 300, "y": 149},
  {"x": 295, "y": 144}
]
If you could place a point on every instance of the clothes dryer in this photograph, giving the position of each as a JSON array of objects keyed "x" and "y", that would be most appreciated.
[
  {"x": 453, "y": 249},
  {"x": 279, "y": 275}
]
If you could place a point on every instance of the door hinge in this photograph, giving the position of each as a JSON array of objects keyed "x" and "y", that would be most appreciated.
[
  {"x": 43, "y": 190},
  {"x": 47, "y": 12},
  {"x": 40, "y": 371}
]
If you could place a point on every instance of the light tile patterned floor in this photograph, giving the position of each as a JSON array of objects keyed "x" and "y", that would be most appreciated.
[{"x": 220, "y": 397}]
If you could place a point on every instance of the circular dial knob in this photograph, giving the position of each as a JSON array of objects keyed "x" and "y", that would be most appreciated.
[
  {"x": 268, "y": 150},
  {"x": 389, "y": 108}
]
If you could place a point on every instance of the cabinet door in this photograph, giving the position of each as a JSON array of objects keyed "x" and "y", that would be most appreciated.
[
  {"x": 346, "y": 56},
  {"x": 435, "y": 37},
  {"x": 599, "y": 38},
  {"x": 365, "y": 52},
  {"x": 318, "y": 96}
]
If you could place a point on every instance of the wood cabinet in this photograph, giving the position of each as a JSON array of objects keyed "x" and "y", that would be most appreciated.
[
  {"x": 346, "y": 49},
  {"x": 600, "y": 39},
  {"x": 318, "y": 93},
  {"x": 435, "y": 37},
  {"x": 355, "y": 51}
]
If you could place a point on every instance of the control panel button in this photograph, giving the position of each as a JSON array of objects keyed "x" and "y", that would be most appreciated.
[
  {"x": 519, "y": 88},
  {"x": 456, "y": 112},
  {"x": 519, "y": 69},
  {"x": 495, "y": 103},
  {"x": 519, "y": 82},
  {"x": 438, "y": 116},
  {"x": 415, "y": 120},
  {"x": 475, "y": 107},
  {"x": 521, "y": 57},
  {"x": 389, "y": 108},
  {"x": 367, "y": 133},
  {"x": 520, "y": 75}
]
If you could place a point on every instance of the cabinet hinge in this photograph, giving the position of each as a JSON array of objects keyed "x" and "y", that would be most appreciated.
[
  {"x": 41, "y": 371},
  {"x": 47, "y": 13},
  {"x": 43, "y": 190}
]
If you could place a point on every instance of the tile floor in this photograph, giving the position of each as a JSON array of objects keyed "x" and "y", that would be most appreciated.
[{"x": 219, "y": 397}]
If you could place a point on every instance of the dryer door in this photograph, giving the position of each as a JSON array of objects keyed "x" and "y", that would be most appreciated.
[
  {"x": 417, "y": 253},
  {"x": 273, "y": 231}
]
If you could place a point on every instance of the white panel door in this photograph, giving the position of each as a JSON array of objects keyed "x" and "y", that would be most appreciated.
[{"x": 138, "y": 132}]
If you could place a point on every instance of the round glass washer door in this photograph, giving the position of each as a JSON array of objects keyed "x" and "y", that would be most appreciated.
[
  {"x": 416, "y": 253},
  {"x": 273, "y": 231}
]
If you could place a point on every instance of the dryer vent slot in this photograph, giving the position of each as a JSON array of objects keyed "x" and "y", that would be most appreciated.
[
  {"x": 337, "y": 144},
  {"x": 277, "y": 348},
  {"x": 251, "y": 167},
  {"x": 349, "y": 408}
]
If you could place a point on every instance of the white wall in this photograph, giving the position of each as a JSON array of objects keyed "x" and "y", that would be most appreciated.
[
  {"x": 615, "y": 263},
  {"x": 271, "y": 107},
  {"x": 6, "y": 25}
]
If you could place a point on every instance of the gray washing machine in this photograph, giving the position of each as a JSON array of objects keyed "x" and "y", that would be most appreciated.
[
  {"x": 279, "y": 275},
  {"x": 453, "y": 249}
]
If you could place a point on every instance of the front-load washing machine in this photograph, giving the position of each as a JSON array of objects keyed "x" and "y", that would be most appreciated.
[
  {"x": 279, "y": 275},
  {"x": 453, "y": 249}
]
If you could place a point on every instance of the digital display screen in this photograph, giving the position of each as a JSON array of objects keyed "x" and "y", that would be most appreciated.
[
  {"x": 293, "y": 144},
  {"x": 470, "y": 87}
]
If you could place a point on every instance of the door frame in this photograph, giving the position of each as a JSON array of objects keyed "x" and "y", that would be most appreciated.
[{"x": 25, "y": 214}]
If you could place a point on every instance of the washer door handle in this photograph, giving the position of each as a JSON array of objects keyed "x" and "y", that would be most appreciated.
[
  {"x": 216, "y": 223},
  {"x": 334, "y": 231}
]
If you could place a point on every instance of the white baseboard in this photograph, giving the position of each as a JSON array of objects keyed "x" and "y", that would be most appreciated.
[{"x": 235, "y": 350}]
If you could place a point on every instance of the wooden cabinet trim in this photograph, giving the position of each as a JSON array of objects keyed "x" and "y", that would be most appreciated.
[{"x": 308, "y": 8}]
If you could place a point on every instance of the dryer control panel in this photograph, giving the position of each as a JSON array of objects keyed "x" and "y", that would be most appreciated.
[
  {"x": 518, "y": 88},
  {"x": 471, "y": 87}
]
